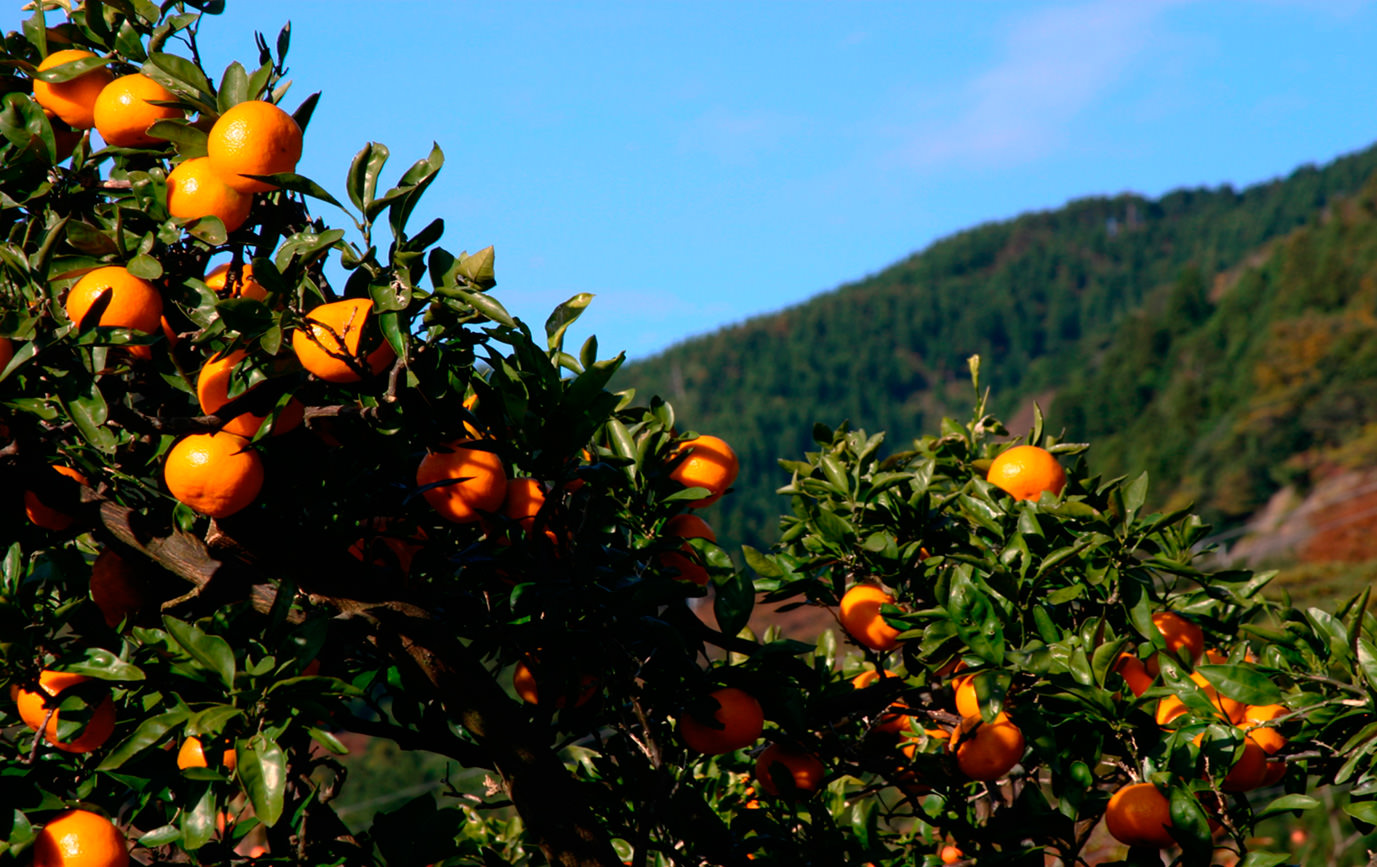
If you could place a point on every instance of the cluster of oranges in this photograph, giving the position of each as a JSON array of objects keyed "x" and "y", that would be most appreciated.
[{"x": 250, "y": 139}]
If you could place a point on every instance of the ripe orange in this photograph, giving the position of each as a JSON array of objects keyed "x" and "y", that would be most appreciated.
[
  {"x": 524, "y": 682},
  {"x": 710, "y": 463},
  {"x": 216, "y": 474},
  {"x": 244, "y": 285},
  {"x": 892, "y": 720},
  {"x": 390, "y": 543},
  {"x": 1171, "y": 707},
  {"x": 967, "y": 704},
  {"x": 134, "y": 303},
  {"x": 1248, "y": 770},
  {"x": 1266, "y": 737},
  {"x": 80, "y": 838},
  {"x": 44, "y": 516},
  {"x": 1024, "y": 472},
  {"x": 476, "y": 482},
  {"x": 684, "y": 562},
  {"x": 6, "y": 352},
  {"x": 987, "y": 751},
  {"x": 1179, "y": 633},
  {"x": 212, "y": 392},
  {"x": 950, "y": 854},
  {"x": 124, "y": 110},
  {"x": 318, "y": 345},
  {"x": 1134, "y": 672},
  {"x": 117, "y": 587},
  {"x": 193, "y": 755},
  {"x": 195, "y": 190},
  {"x": 861, "y": 618},
  {"x": 1140, "y": 815},
  {"x": 737, "y": 722},
  {"x": 253, "y": 138},
  {"x": 73, "y": 100},
  {"x": 788, "y": 762},
  {"x": 523, "y": 502},
  {"x": 33, "y": 711}
]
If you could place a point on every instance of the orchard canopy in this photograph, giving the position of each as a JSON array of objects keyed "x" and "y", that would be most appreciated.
[{"x": 280, "y": 474}]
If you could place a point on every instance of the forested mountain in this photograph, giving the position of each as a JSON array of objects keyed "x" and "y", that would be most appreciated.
[{"x": 1199, "y": 335}]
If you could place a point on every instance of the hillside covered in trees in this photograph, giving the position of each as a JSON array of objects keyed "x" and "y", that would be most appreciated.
[{"x": 1218, "y": 338}]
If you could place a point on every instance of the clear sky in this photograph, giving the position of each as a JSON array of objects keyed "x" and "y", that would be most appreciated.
[{"x": 697, "y": 163}]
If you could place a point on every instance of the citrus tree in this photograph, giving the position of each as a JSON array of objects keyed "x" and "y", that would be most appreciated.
[{"x": 272, "y": 484}]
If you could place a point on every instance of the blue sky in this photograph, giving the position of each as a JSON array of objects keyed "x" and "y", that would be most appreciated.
[{"x": 696, "y": 163}]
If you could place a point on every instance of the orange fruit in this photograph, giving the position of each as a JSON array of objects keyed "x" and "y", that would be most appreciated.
[
  {"x": 6, "y": 352},
  {"x": 684, "y": 562},
  {"x": 73, "y": 100},
  {"x": 781, "y": 760},
  {"x": 217, "y": 474},
  {"x": 1140, "y": 815},
  {"x": 244, "y": 285},
  {"x": 124, "y": 110},
  {"x": 195, "y": 190},
  {"x": 319, "y": 348},
  {"x": 1179, "y": 633},
  {"x": 861, "y": 618},
  {"x": 134, "y": 302},
  {"x": 33, "y": 711},
  {"x": 476, "y": 482},
  {"x": 949, "y": 854},
  {"x": 117, "y": 588},
  {"x": 44, "y": 516},
  {"x": 892, "y": 720},
  {"x": 193, "y": 755},
  {"x": 523, "y": 502},
  {"x": 1024, "y": 472},
  {"x": 253, "y": 138},
  {"x": 737, "y": 722},
  {"x": 80, "y": 838},
  {"x": 1276, "y": 769},
  {"x": 709, "y": 463},
  {"x": 967, "y": 704},
  {"x": 1266, "y": 737},
  {"x": 1134, "y": 672},
  {"x": 1171, "y": 707},
  {"x": 524, "y": 682},
  {"x": 212, "y": 392},
  {"x": 987, "y": 750},
  {"x": 389, "y": 546},
  {"x": 1248, "y": 770}
]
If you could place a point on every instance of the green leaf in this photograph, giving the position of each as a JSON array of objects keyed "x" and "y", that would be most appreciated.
[
  {"x": 189, "y": 141},
  {"x": 1242, "y": 683},
  {"x": 89, "y": 414},
  {"x": 146, "y": 267},
  {"x": 295, "y": 183},
  {"x": 362, "y": 180},
  {"x": 212, "y": 651},
  {"x": 162, "y": 836},
  {"x": 1286, "y": 804},
  {"x": 488, "y": 306},
  {"x": 1263, "y": 859},
  {"x": 761, "y": 564},
  {"x": 198, "y": 823},
  {"x": 234, "y": 87},
  {"x": 104, "y": 665},
  {"x": 563, "y": 316},
  {"x": 733, "y": 602},
  {"x": 71, "y": 69},
  {"x": 151, "y": 732},
  {"x": 263, "y": 771},
  {"x": 327, "y": 740},
  {"x": 1364, "y": 811}
]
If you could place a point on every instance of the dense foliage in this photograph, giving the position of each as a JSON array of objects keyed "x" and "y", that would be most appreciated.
[
  {"x": 1065, "y": 303},
  {"x": 439, "y": 531}
]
